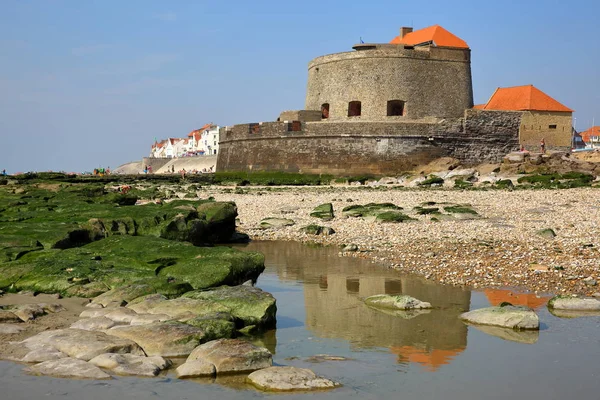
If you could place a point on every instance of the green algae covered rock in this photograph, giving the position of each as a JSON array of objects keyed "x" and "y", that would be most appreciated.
[
  {"x": 371, "y": 209},
  {"x": 400, "y": 302},
  {"x": 507, "y": 316},
  {"x": 169, "y": 267},
  {"x": 323, "y": 211},
  {"x": 249, "y": 304}
]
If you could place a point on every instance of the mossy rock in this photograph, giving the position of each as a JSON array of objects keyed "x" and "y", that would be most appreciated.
[
  {"x": 215, "y": 326},
  {"x": 274, "y": 223},
  {"x": 317, "y": 230},
  {"x": 323, "y": 211},
  {"x": 393, "y": 217},
  {"x": 427, "y": 210},
  {"x": 249, "y": 304},
  {"x": 370, "y": 209},
  {"x": 547, "y": 233},
  {"x": 434, "y": 180},
  {"x": 169, "y": 267},
  {"x": 460, "y": 209}
]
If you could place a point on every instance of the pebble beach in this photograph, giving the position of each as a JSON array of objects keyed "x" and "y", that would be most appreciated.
[{"x": 500, "y": 248}]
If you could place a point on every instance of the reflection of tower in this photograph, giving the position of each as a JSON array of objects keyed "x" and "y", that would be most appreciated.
[{"x": 333, "y": 291}]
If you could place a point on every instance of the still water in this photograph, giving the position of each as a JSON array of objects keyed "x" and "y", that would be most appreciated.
[{"x": 427, "y": 355}]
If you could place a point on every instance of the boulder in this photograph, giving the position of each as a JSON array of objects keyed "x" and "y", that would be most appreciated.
[
  {"x": 515, "y": 317},
  {"x": 85, "y": 345},
  {"x": 232, "y": 355},
  {"x": 574, "y": 303},
  {"x": 317, "y": 230},
  {"x": 195, "y": 369},
  {"x": 142, "y": 304},
  {"x": 43, "y": 353},
  {"x": 162, "y": 339},
  {"x": 129, "y": 364},
  {"x": 28, "y": 312},
  {"x": 515, "y": 157},
  {"x": 184, "y": 308},
  {"x": 400, "y": 302},
  {"x": 275, "y": 223},
  {"x": 289, "y": 379},
  {"x": 249, "y": 304},
  {"x": 68, "y": 368},
  {"x": 215, "y": 326},
  {"x": 123, "y": 293},
  {"x": 463, "y": 173},
  {"x": 547, "y": 233},
  {"x": 11, "y": 329},
  {"x": 94, "y": 324},
  {"x": 121, "y": 314},
  {"x": 323, "y": 211}
]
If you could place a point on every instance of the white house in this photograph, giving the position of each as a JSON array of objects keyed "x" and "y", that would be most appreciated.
[{"x": 209, "y": 142}]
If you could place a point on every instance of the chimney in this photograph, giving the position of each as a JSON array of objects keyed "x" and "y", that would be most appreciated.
[{"x": 405, "y": 30}]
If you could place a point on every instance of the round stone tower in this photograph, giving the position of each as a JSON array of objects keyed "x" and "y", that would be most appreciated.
[{"x": 397, "y": 81}]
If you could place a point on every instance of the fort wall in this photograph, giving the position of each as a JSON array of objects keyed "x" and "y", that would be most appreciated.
[
  {"x": 359, "y": 147},
  {"x": 430, "y": 81}
]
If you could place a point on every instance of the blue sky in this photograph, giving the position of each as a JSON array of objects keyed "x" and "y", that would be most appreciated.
[{"x": 86, "y": 84}]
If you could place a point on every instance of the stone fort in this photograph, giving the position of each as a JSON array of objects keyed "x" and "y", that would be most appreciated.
[{"x": 379, "y": 109}]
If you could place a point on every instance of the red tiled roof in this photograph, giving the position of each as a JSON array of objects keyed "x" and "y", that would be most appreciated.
[
  {"x": 479, "y": 106},
  {"x": 436, "y": 34},
  {"x": 523, "y": 98},
  {"x": 499, "y": 296},
  {"x": 593, "y": 131}
]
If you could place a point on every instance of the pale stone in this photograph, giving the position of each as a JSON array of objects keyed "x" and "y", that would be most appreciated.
[
  {"x": 141, "y": 305},
  {"x": 289, "y": 379},
  {"x": 43, "y": 353},
  {"x": 85, "y": 345},
  {"x": 184, "y": 308},
  {"x": 232, "y": 355},
  {"x": 143, "y": 319},
  {"x": 162, "y": 339},
  {"x": 515, "y": 317},
  {"x": 574, "y": 303},
  {"x": 274, "y": 223},
  {"x": 129, "y": 364},
  {"x": 121, "y": 314},
  {"x": 123, "y": 294},
  {"x": 94, "y": 324},
  {"x": 401, "y": 302},
  {"x": 8, "y": 317},
  {"x": 95, "y": 312},
  {"x": 68, "y": 368},
  {"x": 195, "y": 369},
  {"x": 28, "y": 312}
]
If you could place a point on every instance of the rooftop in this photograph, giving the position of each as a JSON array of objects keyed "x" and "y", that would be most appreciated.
[
  {"x": 434, "y": 34},
  {"x": 522, "y": 98}
]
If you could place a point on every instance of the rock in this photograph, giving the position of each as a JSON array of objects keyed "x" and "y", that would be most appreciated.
[
  {"x": 515, "y": 157},
  {"x": 123, "y": 293},
  {"x": 184, "y": 308},
  {"x": 28, "y": 312},
  {"x": 547, "y": 233},
  {"x": 232, "y": 355},
  {"x": 215, "y": 327},
  {"x": 401, "y": 302},
  {"x": 350, "y": 247},
  {"x": 289, "y": 379},
  {"x": 388, "y": 180},
  {"x": 464, "y": 173},
  {"x": 143, "y": 319},
  {"x": 68, "y": 368},
  {"x": 95, "y": 312},
  {"x": 121, "y": 314},
  {"x": 94, "y": 324},
  {"x": 249, "y": 304},
  {"x": 85, "y": 345},
  {"x": 590, "y": 281},
  {"x": 8, "y": 317},
  {"x": 129, "y": 364},
  {"x": 323, "y": 211},
  {"x": 515, "y": 317},
  {"x": 326, "y": 357},
  {"x": 195, "y": 369},
  {"x": 10, "y": 329},
  {"x": 317, "y": 230},
  {"x": 274, "y": 223},
  {"x": 142, "y": 304},
  {"x": 574, "y": 303},
  {"x": 162, "y": 339},
  {"x": 43, "y": 353}
]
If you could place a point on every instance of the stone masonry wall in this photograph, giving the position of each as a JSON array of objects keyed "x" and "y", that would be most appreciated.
[{"x": 354, "y": 148}]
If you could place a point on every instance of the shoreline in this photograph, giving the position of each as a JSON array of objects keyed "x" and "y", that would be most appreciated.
[{"x": 500, "y": 249}]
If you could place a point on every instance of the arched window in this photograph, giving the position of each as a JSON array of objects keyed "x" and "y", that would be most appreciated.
[
  {"x": 325, "y": 110},
  {"x": 395, "y": 108},
  {"x": 354, "y": 109}
]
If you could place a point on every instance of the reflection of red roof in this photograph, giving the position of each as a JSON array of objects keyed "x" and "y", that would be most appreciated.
[
  {"x": 523, "y": 98},
  {"x": 593, "y": 131},
  {"x": 498, "y": 296},
  {"x": 432, "y": 360},
  {"x": 436, "y": 34}
]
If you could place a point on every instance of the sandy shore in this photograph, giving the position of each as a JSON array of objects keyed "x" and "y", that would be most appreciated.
[{"x": 501, "y": 249}]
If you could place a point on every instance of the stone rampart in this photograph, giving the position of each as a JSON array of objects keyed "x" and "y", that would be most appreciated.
[{"x": 353, "y": 148}]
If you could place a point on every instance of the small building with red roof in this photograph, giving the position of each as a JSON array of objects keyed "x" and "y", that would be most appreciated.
[
  {"x": 592, "y": 136},
  {"x": 543, "y": 116}
]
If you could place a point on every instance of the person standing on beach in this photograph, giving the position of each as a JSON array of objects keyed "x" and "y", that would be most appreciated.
[{"x": 542, "y": 146}]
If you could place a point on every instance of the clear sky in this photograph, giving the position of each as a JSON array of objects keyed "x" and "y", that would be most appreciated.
[{"x": 86, "y": 84}]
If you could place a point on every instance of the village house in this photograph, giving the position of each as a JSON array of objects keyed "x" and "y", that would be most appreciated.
[
  {"x": 591, "y": 137},
  {"x": 543, "y": 117},
  {"x": 210, "y": 140}
]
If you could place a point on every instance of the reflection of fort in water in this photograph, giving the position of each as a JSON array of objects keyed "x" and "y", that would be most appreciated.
[{"x": 334, "y": 287}]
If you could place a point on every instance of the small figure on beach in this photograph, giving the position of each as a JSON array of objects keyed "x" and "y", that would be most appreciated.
[
  {"x": 146, "y": 169},
  {"x": 522, "y": 149},
  {"x": 172, "y": 169},
  {"x": 183, "y": 173},
  {"x": 149, "y": 169},
  {"x": 3, "y": 172},
  {"x": 542, "y": 146}
]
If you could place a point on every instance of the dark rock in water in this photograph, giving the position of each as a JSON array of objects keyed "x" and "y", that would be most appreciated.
[{"x": 282, "y": 379}]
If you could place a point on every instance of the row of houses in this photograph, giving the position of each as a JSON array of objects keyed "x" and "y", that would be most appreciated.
[{"x": 199, "y": 142}]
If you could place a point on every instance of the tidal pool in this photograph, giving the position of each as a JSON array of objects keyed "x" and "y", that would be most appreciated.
[{"x": 421, "y": 355}]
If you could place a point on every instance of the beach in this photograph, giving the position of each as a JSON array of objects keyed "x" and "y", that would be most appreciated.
[{"x": 500, "y": 248}]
